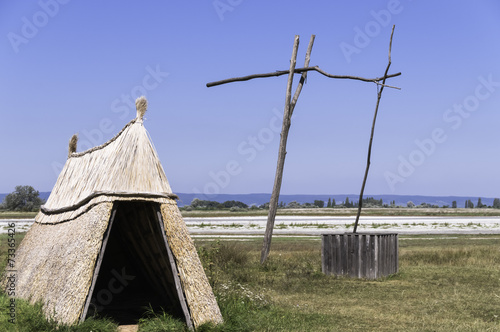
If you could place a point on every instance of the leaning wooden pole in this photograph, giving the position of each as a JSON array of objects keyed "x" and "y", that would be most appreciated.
[
  {"x": 379, "y": 96},
  {"x": 287, "y": 117},
  {"x": 273, "y": 204}
]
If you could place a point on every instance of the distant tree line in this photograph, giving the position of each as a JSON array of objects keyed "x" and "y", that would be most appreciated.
[
  {"x": 467, "y": 205},
  {"x": 369, "y": 202},
  {"x": 480, "y": 205},
  {"x": 199, "y": 204}
]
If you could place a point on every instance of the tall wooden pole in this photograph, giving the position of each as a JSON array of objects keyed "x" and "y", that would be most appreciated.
[
  {"x": 379, "y": 95},
  {"x": 287, "y": 117},
  {"x": 273, "y": 204}
]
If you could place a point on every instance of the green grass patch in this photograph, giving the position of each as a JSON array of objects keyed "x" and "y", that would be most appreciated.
[
  {"x": 233, "y": 225},
  {"x": 383, "y": 225},
  {"x": 445, "y": 283},
  {"x": 30, "y": 317}
]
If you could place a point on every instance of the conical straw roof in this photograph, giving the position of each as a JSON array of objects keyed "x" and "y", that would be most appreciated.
[{"x": 124, "y": 167}]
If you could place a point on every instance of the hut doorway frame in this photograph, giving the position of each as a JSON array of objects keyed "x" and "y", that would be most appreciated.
[{"x": 140, "y": 225}]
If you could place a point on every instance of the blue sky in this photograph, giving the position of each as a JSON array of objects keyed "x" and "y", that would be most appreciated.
[{"x": 74, "y": 66}]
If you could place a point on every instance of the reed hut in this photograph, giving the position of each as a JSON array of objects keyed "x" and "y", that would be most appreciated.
[{"x": 111, "y": 240}]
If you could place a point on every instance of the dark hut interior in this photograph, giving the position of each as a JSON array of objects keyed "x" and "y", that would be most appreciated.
[{"x": 137, "y": 273}]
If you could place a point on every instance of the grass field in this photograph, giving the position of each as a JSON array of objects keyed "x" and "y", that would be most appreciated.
[{"x": 445, "y": 283}]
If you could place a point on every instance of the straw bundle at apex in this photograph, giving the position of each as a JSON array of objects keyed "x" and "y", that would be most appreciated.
[{"x": 111, "y": 240}]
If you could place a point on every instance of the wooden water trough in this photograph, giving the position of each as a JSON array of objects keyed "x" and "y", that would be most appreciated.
[{"x": 360, "y": 255}]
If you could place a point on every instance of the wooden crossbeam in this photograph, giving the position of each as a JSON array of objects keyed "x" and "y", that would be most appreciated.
[{"x": 302, "y": 70}]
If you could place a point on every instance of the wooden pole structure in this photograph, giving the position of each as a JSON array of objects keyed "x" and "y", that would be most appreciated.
[
  {"x": 379, "y": 95},
  {"x": 289, "y": 107}
]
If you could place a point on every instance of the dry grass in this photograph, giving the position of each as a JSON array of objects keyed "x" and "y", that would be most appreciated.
[
  {"x": 446, "y": 283},
  {"x": 443, "y": 285}
]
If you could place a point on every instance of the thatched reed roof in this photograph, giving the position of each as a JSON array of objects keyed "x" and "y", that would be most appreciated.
[
  {"x": 124, "y": 167},
  {"x": 59, "y": 259}
]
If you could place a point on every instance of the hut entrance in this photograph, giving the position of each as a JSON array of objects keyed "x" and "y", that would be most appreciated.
[{"x": 135, "y": 272}]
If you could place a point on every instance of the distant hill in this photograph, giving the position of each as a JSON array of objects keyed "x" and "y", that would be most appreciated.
[{"x": 258, "y": 199}]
